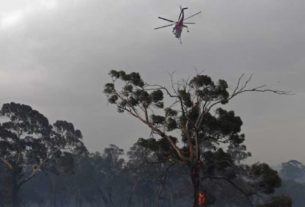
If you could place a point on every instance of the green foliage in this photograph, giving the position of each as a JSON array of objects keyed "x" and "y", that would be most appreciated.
[
  {"x": 23, "y": 117},
  {"x": 206, "y": 89},
  {"x": 171, "y": 124},
  {"x": 169, "y": 112},
  {"x": 217, "y": 162},
  {"x": 29, "y": 144},
  {"x": 133, "y": 78},
  {"x": 156, "y": 96},
  {"x": 157, "y": 119},
  {"x": 191, "y": 115},
  {"x": 222, "y": 126},
  {"x": 266, "y": 178},
  {"x": 186, "y": 98},
  {"x": 109, "y": 88},
  {"x": 160, "y": 147},
  {"x": 227, "y": 122}
]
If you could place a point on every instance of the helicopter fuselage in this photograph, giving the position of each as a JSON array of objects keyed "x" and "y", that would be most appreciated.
[{"x": 177, "y": 30}]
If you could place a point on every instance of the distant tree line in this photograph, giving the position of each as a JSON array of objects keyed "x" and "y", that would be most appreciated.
[{"x": 106, "y": 179}]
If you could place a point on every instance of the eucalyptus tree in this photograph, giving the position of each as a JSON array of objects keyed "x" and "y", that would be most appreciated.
[
  {"x": 189, "y": 126},
  {"x": 30, "y": 145}
]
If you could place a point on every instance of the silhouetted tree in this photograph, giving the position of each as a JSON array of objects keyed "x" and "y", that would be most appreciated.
[
  {"x": 186, "y": 127},
  {"x": 30, "y": 145},
  {"x": 111, "y": 177}
]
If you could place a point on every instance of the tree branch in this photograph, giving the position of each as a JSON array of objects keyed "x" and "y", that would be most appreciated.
[
  {"x": 161, "y": 88},
  {"x": 33, "y": 174},
  {"x": 243, "y": 89},
  {"x": 158, "y": 131},
  {"x": 7, "y": 163}
]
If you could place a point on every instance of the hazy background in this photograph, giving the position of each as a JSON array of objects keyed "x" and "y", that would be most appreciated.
[{"x": 55, "y": 56}]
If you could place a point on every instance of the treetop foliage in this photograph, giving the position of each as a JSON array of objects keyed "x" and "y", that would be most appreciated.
[
  {"x": 29, "y": 144},
  {"x": 184, "y": 110}
]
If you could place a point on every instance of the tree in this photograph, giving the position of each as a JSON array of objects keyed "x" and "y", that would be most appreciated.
[
  {"x": 30, "y": 145},
  {"x": 110, "y": 167},
  {"x": 293, "y": 170},
  {"x": 186, "y": 127},
  {"x": 149, "y": 179}
]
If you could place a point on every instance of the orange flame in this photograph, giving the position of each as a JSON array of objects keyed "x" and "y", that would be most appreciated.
[{"x": 201, "y": 199}]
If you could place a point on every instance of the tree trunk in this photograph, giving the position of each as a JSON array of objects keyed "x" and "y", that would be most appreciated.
[
  {"x": 199, "y": 197},
  {"x": 53, "y": 191},
  {"x": 8, "y": 188}
]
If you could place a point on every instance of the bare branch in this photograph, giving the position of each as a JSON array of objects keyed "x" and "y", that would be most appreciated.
[
  {"x": 247, "y": 82},
  {"x": 172, "y": 82},
  {"x": 161, "y": 88},
  {"x": 238, "y": 82},
  {"x": 169, "y": 94},
  {"x": 239, "y": 89},
  {"x": 174, "y": 103},
  {"x": 261, "y": 89},
  {"x": 33, "y": 174},
  {"x": 7, "y": 163}
]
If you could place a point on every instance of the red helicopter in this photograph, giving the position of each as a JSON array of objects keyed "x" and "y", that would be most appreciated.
[{"x": 180, "y": 24}]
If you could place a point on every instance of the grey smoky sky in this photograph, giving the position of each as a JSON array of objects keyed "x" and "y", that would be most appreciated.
[{"x": 55, "y": 56}]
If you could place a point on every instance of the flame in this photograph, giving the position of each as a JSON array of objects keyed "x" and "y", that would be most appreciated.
[{"x": 201, "y": 199}]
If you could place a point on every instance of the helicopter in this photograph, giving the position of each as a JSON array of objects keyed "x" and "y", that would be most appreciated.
[{"x": 180, "y": 24}]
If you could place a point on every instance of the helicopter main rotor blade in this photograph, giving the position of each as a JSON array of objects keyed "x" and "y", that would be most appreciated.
[
  {"x": 192, "y": 15},
  {"x": 164, "y": 26},
  {"x": 189, "y": 23},
  {"x": 166, "y": 19}
]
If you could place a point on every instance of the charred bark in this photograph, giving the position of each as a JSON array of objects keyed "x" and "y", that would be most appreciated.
[{"x": 199, "y": 196}]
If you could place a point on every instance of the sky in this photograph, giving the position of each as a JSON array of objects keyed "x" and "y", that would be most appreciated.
[{"x": 55, "y": 55}]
